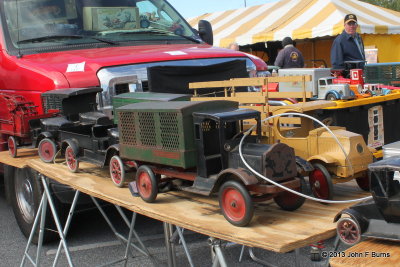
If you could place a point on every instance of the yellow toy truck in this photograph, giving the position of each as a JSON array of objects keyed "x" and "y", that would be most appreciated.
[{"x": 313, "y": 143}]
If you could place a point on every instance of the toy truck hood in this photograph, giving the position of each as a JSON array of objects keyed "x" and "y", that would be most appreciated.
[{"x": 80, "y": 66}]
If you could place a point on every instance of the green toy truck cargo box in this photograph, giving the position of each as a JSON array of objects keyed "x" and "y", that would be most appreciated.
[{"x": 163, "y": 132}]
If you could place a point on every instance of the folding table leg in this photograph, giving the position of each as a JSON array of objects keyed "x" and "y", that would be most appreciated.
[
  {"x": 46, "y": 199},
  {"x": 67, "y": 224},
  {"x": 219, "y": 258},
  {"x": 171, "y": 253},
  {"x": 121, "y": 238}
]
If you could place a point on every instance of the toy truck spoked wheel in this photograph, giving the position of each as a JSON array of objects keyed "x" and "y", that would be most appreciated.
[
  {"x": 12, "y": 146},
  {"x": 70, "y": 158},
  {"x": 289, "y": 201},
  {"x": 321, "y": 182},
  {"x": 47, "y": 150},
  {"x": 147, "y": 183},
  {"x": 235, "y": 203},
  {"x": 348, "y": 230},
  {"x": 117, "y": 171}
]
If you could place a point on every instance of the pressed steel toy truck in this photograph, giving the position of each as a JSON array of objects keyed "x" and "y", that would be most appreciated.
[
  {"x": 196, "y": 144},
  {"x": 314, "y": 144},
  {"x": 317, "y": 146},
  {"x": 380, "y": 216}
]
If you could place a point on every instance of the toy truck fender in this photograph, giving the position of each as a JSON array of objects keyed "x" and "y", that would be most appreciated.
[
  {"x": 42, "y": 136},
  {"x": 355, "y": 215},
  {"x": 328, "y": 90},
  {"x": 304, "y": 165},
  {"x": 70, "y": 142},
  {"x": 324, "y": 158},
  {"x": 246, "y": 176},
  {"x": 111, "y": 151}
]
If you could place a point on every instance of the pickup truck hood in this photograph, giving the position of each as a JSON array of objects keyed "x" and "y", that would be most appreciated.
[{"x": 80, "y": 66}]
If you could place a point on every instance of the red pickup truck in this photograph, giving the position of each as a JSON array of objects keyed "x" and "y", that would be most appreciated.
[{"x": 118, "y": 45}]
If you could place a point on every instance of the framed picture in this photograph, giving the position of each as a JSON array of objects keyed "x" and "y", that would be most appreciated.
[{"x": 110, "y": 18}]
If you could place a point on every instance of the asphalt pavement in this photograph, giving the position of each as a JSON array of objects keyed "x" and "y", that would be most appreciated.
[{"x": 92, "y": 243}]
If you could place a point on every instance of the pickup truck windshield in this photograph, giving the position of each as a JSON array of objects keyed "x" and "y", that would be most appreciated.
[{"x": 31, "y": 22}]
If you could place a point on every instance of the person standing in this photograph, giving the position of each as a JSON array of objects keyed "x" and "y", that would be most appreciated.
[
  {"x": 289, "y": 56},
  {"x": 348, "y": 46}
]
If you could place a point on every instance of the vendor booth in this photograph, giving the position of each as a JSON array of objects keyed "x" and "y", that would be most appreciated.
[{"x": 313, "y": 24}]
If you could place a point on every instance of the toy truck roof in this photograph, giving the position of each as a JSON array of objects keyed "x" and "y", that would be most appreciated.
[
  {"x": 228, "y": 115},
  {"x": 64, "y": 93},
  {"x": 388, "y": 164},
  {"x": 184, "y": 107},
  {"x": 150, "y": 96}
]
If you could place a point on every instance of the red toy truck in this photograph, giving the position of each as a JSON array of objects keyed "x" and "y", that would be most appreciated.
[{"x": 118, "y": 45}]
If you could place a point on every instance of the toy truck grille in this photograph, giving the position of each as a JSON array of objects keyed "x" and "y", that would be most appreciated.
[{"x": 162, "y": 132}]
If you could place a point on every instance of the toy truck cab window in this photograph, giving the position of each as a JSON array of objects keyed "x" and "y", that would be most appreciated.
[{"x": 32, "y": 24}]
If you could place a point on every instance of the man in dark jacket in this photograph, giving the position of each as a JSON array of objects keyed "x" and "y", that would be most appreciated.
[
  {"x": 289, "y": 56},
  {"x": 348, "y": 46}
]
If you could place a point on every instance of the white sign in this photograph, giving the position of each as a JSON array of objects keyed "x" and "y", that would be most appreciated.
[
  {"x": 76, "y": 67},
  {"x": 176, "y": 53}
]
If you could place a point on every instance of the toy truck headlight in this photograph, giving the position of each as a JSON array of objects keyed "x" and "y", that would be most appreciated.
[{"x": 360, "y": 148}]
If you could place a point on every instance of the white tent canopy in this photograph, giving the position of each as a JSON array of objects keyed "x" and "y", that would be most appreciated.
[{"x": 299, "y": 19}]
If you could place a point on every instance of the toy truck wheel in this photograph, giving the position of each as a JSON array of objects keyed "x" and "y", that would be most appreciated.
[
  {"x": 363, "y": 182},
  {"x": 70, "y": 158},
  {"x": 331, "y": 96},
  {"x": 12, "y": 146},
  {"x": 321, "y": 182},
  {"x": 117, "y": 171},
  {"x": 348, "y": 230},
  {"x": 235, "y": 203},
  {"x": 289, "y": 201},
  {"x": 147, "y": 183},
  {"x": 47, "y": 150}
]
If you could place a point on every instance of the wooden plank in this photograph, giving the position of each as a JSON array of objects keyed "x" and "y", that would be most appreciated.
[
  {"x": 249, "y": 81},
  {"x": 371, "y": 252},
  {"x": 23, "y": 155},
  {"x": 271, "y": 228}
]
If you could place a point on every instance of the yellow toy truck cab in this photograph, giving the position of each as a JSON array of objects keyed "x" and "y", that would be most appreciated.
[{"x": 318, "y": 146}]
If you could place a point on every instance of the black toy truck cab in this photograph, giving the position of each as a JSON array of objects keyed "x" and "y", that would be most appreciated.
[{"x": 217, "y": 134}]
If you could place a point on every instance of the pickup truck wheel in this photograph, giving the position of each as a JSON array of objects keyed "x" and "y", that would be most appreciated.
[
  {"x": 147, "y": 183},
  {"x": 12, "y": 146},
  {"x": 321, "y": 182},
  {"x": 47, "y": 150},
  {"x": 70, "y": 158},
  {"x": 331, "y": 97},
  {"x": 348, "y": 230},
  {"x": 235, "y": 203},
  {"x": 25, "y": 195},
  {"x": 289, "y": 201},
  {"x": 117, "y": 172}
]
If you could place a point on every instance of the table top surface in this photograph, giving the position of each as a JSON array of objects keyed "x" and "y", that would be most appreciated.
[{"x": 271, "y": 228}]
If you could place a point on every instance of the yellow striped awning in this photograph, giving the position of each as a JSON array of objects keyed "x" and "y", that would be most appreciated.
[{"x": 299, "y": 19}]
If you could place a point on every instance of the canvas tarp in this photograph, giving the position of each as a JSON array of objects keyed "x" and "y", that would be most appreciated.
[{"x": 306, "y": 20}]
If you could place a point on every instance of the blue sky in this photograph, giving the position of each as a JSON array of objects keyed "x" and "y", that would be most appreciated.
[{"x": 193, "y": 8}]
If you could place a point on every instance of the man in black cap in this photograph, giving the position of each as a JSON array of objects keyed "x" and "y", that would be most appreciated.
[
  {"x": 289, "y": 56},
  {"x": 348, "y": 46}
]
